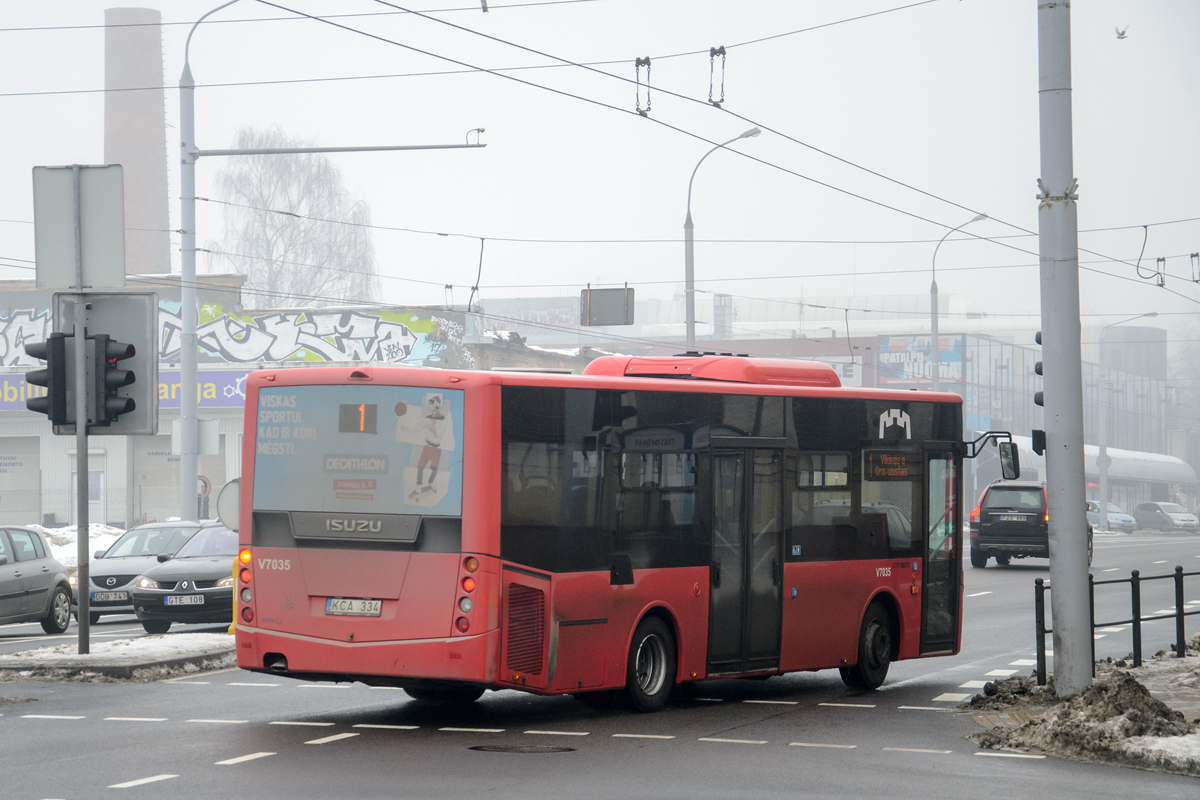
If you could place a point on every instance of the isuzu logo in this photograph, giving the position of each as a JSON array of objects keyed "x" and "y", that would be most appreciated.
[{"x": 354, "y": 525}]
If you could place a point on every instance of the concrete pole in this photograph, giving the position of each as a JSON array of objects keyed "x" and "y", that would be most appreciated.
[
  {"x": 1058, "y": 231},
  {"x": 189, "y": 425}
]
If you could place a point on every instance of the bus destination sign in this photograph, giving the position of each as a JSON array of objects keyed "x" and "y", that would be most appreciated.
[{"x": 890, "y": 465}]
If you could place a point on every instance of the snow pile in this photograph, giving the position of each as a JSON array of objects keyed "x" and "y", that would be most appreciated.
[
  {"x": 64, "y": 541},
  {"x": 178, "y": 654},
  {"x": 1116, "y": 720}
]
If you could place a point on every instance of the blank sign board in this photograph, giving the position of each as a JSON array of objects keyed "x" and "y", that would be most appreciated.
[
  {"x": 101, "y": 226},
  {"x": 606, "y": 307}
]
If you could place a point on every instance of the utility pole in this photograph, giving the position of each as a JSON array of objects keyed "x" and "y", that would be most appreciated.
[{"x": 1058, "y": 232}]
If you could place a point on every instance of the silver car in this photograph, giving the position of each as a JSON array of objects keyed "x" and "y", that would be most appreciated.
[
  {"x": 1165, "y": 517},
  {"x": 33, "y": 585}
]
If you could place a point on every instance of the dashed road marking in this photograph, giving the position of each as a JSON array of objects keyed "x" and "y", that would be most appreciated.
[
  {"x": 1160, "y": 562},
  {"x": 558, "y": 733},
  {"x": 229, "y": 761},
  {"x": 325, "y": 686},
  {"x": 252, "y": 684},
  {"x": 950, "y": 697},
  {"x": 142, "y": 781},
  {"x": 335, "y": 738},
  {"x": 973, "y": 685},
  {"x": 1009, "y": 755},
  {"x": 732, "y": 741},
  {"x": 303, "y": 724},
  {"x": 640, "y": 736},
  {"x": 848, "y": 705},
  {"x": 222, "y": 721},
  {"x": 49, "y": 716},
  {"x": 1110, "y": 630},
  {"x": 1165, "y": 611},
  {"x": 1001, "y": 673},
  {"x": 472, "y": 730},
  {"x": 1023, "y": 662},
  {"x": 1114, "y": 569},
  {"x": 709, "y": 699},
  {"x": 135, "y": 719},
  {"x": 978, "y": 594},
  {"x": 915, "y": 750},
  {"x": 819, "y": 744},
  {"x": 189, "y": 683},
  {"x": 1099, "y": 635},
  {"x": 926, "y": 708},
  {"x": 774, "y": 702},
  {"x": 389, "y": 727}
]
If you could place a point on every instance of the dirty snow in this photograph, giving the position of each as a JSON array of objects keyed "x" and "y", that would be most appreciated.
[
  {"x": 64, "y": 541},
  {"x": 1130, "y": 717},
  {"x": 203, "y": 652}
]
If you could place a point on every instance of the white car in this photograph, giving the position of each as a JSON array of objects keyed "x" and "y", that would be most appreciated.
[{"x": 1165, "y": 517}]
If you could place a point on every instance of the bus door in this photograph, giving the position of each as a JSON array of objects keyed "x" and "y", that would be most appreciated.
[
  {"x": 745, "y": 593},
  {"x": 943, "y": 557}
]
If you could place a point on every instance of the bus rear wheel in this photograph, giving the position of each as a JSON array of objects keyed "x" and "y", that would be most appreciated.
[
  {"x": 650, "y": 670},
  {"x": 445, "y": 694},
  {"x": 874, "y": 651}
]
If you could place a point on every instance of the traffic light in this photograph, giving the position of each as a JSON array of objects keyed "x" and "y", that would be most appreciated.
[
  {"x": 54, "y": 377},
  {"x": 109, "y": 405},
  {"x": 1038, "y": 398},
  {"x": 1039, "y": 442}
]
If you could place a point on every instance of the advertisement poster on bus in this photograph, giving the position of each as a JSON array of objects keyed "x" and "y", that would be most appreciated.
[
  {"x": 368, "y": 449},
  {"x": 908, "y": 361}
]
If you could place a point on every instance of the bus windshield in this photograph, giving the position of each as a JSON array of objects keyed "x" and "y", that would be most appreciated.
[{"x": 354, "y": 448}]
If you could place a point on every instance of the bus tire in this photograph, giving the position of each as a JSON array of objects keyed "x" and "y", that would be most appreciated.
[
  {"x": 445, "y": 694},
  {"x": 979, "y": 558},
  {"x": 650, "y": 669},
  {"x": 874, "y": 651}
]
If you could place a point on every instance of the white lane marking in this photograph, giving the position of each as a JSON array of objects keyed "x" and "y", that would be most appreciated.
[
  {"x": 818, "y": 744},
  {"x": 135, "y": 719},
  {"x": 388, "y": 727},
  {"x": 1010, "y": 755},
  {"x": 387, "y": 688},
  {"x": 774, "y": 702},
  {"x": 558, "y": 733},
  {"x": 252, "y": 684},
  {"x": 1099, "y": 635},
  {"x": 978, "y": 594},
  {"x": 48, "y": 716},
  {"x": 141, "y": 781},
  {"x": 1114, "y": 569},
  {"x": 1001, "y": 673},
  {"x": 1165, "y": 611},
  {"x": 472, "y": 730},
  {"x": 709, "y": 699},
  {"x": 336, "y": 737},
  {"x": 732, "y": 741},
  {"x": 304, "y": 724},
  {"x": 915, "y": 750},
  {"x": 190, "y": 683},
  {"x": 1023, "y": 662},
  {"x": 222, "y": 721},
  {"x": 848, "y": 705},
  {"x": 1110, "y": 630},
  {"x": 927, "y": 708},
  {"x": 240, "y": 759},
  {"x": 973, "y": 685},
  {"x": 1160, "y": 562},
  {"x": 324, "y": 686},
  {"x": 640, "y": 736},
  {"x": 950, "y": 697}
]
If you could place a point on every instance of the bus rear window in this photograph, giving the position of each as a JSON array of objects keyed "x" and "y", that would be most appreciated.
[{"x": 371, "y": 449}]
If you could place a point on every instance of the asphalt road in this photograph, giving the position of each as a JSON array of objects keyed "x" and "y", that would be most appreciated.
[{"x": 236, "y": 734}]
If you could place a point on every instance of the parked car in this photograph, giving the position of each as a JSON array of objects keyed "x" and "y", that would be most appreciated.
[
  {"x": 111, "y": 572},
  {"x": 194, "y": 585},
  {"x": 33, "y": 585},
  {"x": 1165, "y": 517},
  {"x": 1012, "y": 521},
  {"x": 1117, "y": 520}
]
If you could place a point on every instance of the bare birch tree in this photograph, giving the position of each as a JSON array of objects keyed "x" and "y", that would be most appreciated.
[{"x": 292, "y": 228}]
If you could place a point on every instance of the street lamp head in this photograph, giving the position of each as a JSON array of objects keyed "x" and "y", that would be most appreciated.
[
  {"x": 750, "y": 134},
  {"x": 978, "y": 218}
]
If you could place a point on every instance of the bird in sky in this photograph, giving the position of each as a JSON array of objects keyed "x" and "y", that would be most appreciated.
[{"x": 1121, "y": 32}]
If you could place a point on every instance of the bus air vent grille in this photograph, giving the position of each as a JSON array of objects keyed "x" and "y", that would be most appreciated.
[{"x": 525, "y": 630}]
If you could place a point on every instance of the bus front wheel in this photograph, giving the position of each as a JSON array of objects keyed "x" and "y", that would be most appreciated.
[
  {"x": 650, "y": 671},
  {"x": 874, "y": 651}
]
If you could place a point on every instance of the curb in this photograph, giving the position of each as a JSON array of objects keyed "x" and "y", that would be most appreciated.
[{"x": 112, "y": 668}]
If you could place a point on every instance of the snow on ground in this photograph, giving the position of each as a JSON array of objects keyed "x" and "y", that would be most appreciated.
[{"x": 143, "y": 649}]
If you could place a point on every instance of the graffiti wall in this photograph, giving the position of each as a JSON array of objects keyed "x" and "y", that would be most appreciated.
[{"x": 393, "y": 335}]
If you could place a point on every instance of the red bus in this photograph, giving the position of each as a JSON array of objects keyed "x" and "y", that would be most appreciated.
[{"x": 652, "y": 522}]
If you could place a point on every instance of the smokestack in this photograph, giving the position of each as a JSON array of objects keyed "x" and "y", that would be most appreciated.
[{"x": 135, "y": 133}]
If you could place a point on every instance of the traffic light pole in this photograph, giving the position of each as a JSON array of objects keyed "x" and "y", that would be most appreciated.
[
  {"x": 1058, "y": 232},
  {"x": 82, "y": 527}
]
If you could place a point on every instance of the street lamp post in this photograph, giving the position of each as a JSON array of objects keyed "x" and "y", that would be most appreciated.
[
  {"x": 189, "y": 312},
  {"x": 689, "y": 292},
  {"x": 1102, "y": 459},
  {"x": 935, "y": 345}
]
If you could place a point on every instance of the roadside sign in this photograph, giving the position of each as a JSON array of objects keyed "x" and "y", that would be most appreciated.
[{"x": 101, "y": 218}]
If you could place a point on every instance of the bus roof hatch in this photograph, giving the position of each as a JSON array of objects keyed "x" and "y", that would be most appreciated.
[{"x": 733, "y": 369}]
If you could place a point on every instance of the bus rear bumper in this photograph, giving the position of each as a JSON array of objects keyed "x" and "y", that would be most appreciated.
[{"x": 459, "y": 659}]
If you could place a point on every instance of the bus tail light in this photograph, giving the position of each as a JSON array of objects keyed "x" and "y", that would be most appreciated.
[
  {"x": 463, "y": 624},
  {"x": 468, "y": 584},
  {"x": 244, "y": 575},
  {"x": 247, "y": 614},
  {"x": 244, "y": 555},
  {"x": 470, "y": 563},
  {"x": 247, "y": 595},
  {"x": 465, "y": 605}
]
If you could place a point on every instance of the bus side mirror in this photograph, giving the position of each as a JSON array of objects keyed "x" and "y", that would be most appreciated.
[{"x": 1010, "y": 461}]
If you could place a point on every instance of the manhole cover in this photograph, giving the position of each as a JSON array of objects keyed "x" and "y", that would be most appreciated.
[{"x": 521, "y": 748}]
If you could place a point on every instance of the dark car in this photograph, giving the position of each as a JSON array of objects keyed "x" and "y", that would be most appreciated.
[
  {"x": 33, "y": 585},
  {"x": 111, "y": 572},
  {"x": 1165, "y": 517},
  {"x": 196, "y": 585},
  {"x": 1012, "y": 522}
]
